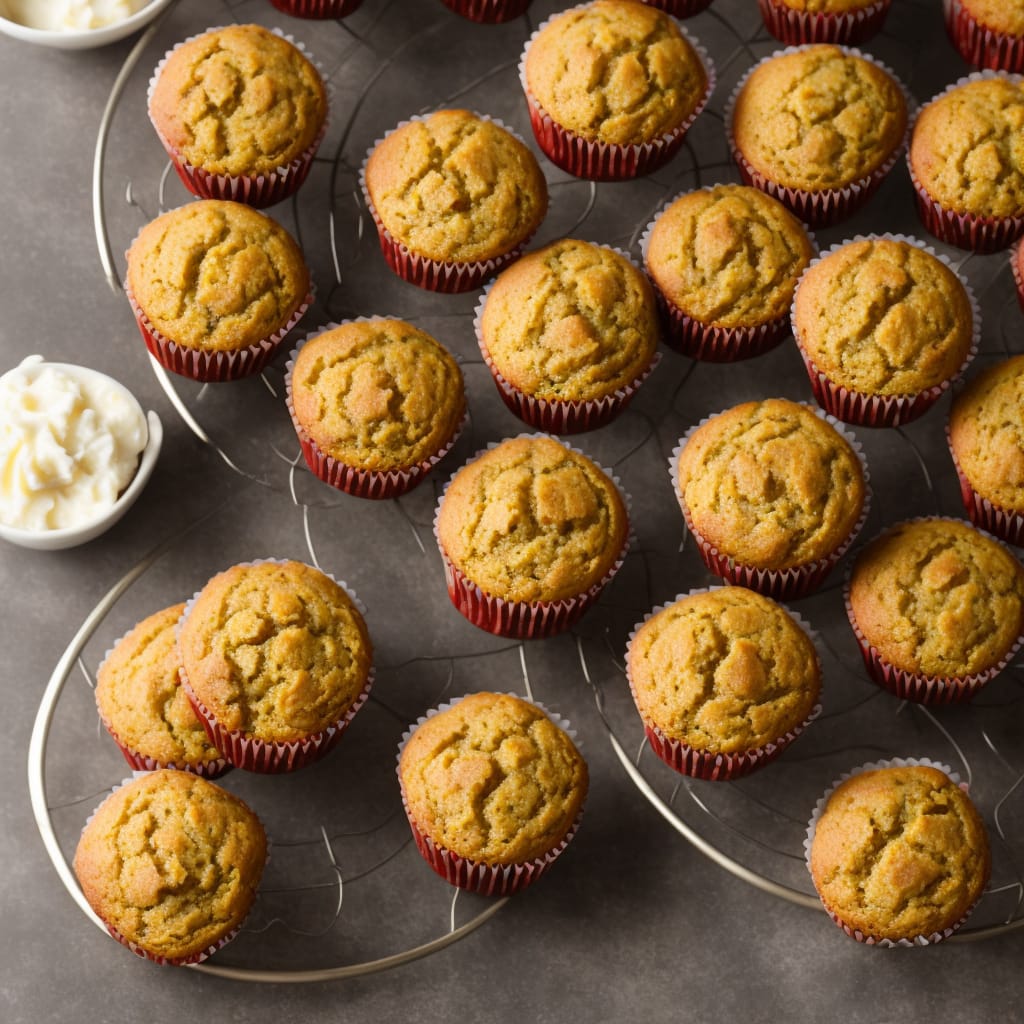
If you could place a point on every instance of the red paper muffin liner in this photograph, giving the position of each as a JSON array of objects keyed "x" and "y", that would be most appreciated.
[
  {"x": 488, "y": 12},
  {"x": 861, "y": 408},
  {"x": 983, "y": 47},
  {"x": 780, "y": 584},
  {"x": 918, "y": 686},
  {"x": 212, "y": 366},
  {"x": 477, "y": 876},
  {"x": 823, "y": 207},
  {"x": 606, "y": 161},
  {"x": 843, "y": 27},
  {"x": 321, "y": 9},
  {"x": 522, "y": 620},
  {"x": 1007, "y": 525},
  {"x": 856, "y": 933},
  {"x": 1016, "y": 256},
  {"x": 965, "y": 230},
  {"x": 258, "y": 191},
  {"x": 680, "y": 8}
]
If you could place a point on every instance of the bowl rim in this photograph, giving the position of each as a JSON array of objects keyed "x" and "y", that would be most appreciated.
[{"x": 81, "y": 39}]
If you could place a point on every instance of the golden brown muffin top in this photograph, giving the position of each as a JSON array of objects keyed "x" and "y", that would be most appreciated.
[
  {"x": 378, "y": 394},
  {"x": 138, "y": 694},
  {"x": 239, "y": 100},
  {"x": 966, "y": 151},
  {"x": 456, "y": 186},
  {"x": 216, "y": 275},
  {"x": 172, "y": 861},
  {"x": 532, "y": 520},
  {"x": 938, "y": 597},
  {"x": 818, "y": 118},
  {"x": 493, "y": 779},
  {"x": 999, "y": 15},
  {"x": 615, "y": 71},
  {"x": 986, "y": 431},
  {"x": 728, "y": 256},
  {"x": 275, "y": 650},
  {"x": 900, "y": 852},
  {"x": 772, "y": 484},
  {"x": 884, "y": 317},
  {"x": 572, "y": 321},
  {"x": 723, "y": 671}
]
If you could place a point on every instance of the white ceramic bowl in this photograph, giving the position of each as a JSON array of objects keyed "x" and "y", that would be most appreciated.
[
  {"x": 85, "y": 39},
  {"x": 73, "y": 536}
]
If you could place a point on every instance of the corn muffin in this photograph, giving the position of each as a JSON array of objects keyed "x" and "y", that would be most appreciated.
[
  {"x": 773, "y": 494},
  {"x": 898, "y": 854},
  {"x": 569, "y": 332},
  {"x": 884, "y": 327},
  {"x": 937, "y": 607},
  {"x": 986, "y": 438},
  {"x": 376, "y": 403},
  {"x": 454, "y": 196},
  {"x": 241, "y": 111},
  {"x": 493, "y": 789},
  {"x": 823, "y": 21},
  {"x": 987, "y": 33},
  {"x": 215, "y": 287},
  {"x": 530, "y": 532},
  {"x": 725, "y": 261},
  {"x": 810, "y": 123},
  {"x": 144, "y": 708},
  {"x": 612, "y": 87},
  {"x": 277, "y": 659},
  {"x": 967, "y": 164},
  {"x": 170, "y": 862},
  {"x": 723, "y": 679}
]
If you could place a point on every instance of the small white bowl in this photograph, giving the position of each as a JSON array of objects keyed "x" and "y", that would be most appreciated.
[
  {"x": 73, "y": 536},
  {"x": 83, "y": 39}
]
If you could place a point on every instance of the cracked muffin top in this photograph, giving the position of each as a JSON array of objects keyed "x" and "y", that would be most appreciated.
[
  {"x": 771, "y": 484},
  {"x": 615, "y": 71},
  {"x": 275, "y": 650},
  {"x": 728, "y": 256},
  {"x": 573, "y": 321},
  {"x": 532, "y": 520},
  {"x": 724, "y": 671},
  {"x": 899, "y": 852},
  {"x": 141, "y": 701},
  {"x": 378, "y": 394},
  {"x": 818, "y": 117},
  {"x": 238, "y": 100},
  {"x": 938, "y": 597},
  {"x": 216, "y": 276},
  {"x": 967, "y": 147},
  {"x": 172, "y": 862},
  {"x": 493, "y": 779},
  {"x": 883, "y": 316},
  {"x": 1005, "y": 16},
  {"x": 456, "y": 186}
]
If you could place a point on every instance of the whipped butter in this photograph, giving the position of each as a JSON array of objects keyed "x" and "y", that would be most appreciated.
[
  {"x": 71, "y": 15},
  {"x": 70, "y": 440}
]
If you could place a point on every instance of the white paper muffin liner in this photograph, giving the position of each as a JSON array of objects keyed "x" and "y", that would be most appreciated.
[
  {"x": 856, "y": 933},
  {"x": 983, "y": 47},
  {"x": 525, "y": 620},
  {"x": 863, "y": 408},
  {"x": 823, "y": 207},
  {"x": 964, "y": 230},
  {"x": 796, "y": 27},
  {"x": 260, "y": 190},
  {"x": 920, "y": 687},
  {"x": 362, "y": 483},
  {"x": 447, "y": 276},
  {"x": 709, "y": 765},
  {"x": 274, "y": 756},
  {"x": 557, "y": 416},
  {"x": 780, "y": 584},
  {"x": 606, "y": 161},
  {"x": 477, "y": 876}
]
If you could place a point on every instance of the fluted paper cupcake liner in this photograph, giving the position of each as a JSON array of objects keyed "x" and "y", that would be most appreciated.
[
  {"x": 680, "y": 8},
  {"x": 1016, "y": 255},
  {"x": 983, "y": 47},
  {"x": 821, "y": 207},
  {"x": 862, "y": 408},
  {"x": 321, "y": 9},
  {"x": 256, "y": 190},
  {"x": 606, "y": 161},
  {"x": 1004, "y": 524},
  {"x": 488, "y": 12},
  {"x": 796, "y": 27}
]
